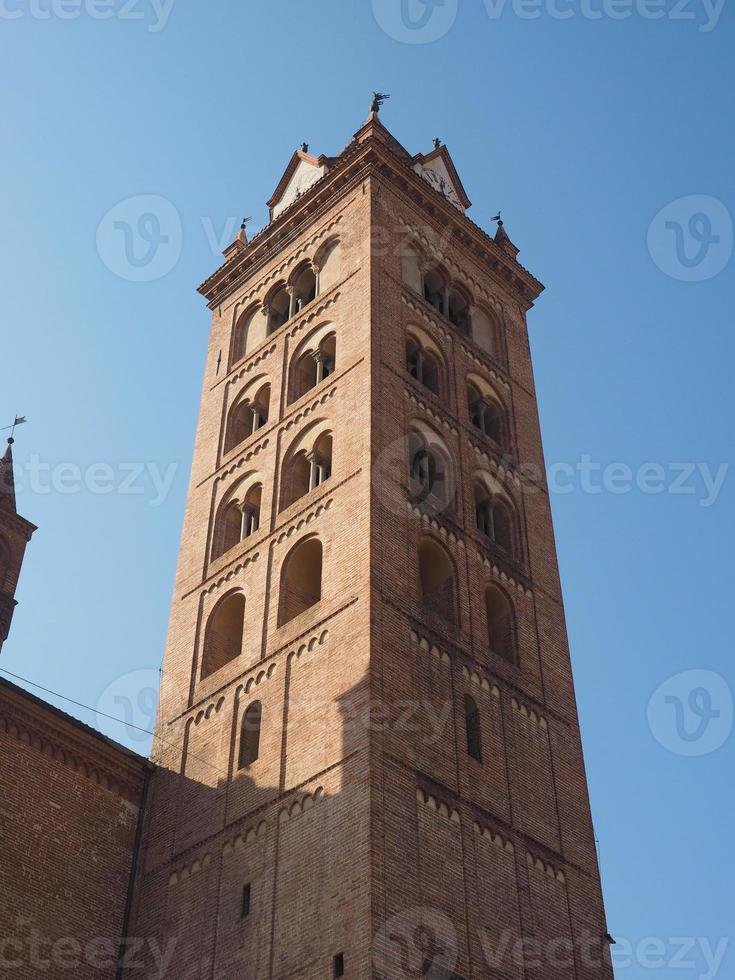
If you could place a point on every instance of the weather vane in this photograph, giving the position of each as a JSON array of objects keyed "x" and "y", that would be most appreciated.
[
  {"x": 378, "y": 99},
  {"x": 496, "y": 217},
  {"x": 19, "y": 420}
]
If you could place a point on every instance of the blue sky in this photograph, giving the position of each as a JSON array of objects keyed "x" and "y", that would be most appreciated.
[{"x": 582, "y": 128}]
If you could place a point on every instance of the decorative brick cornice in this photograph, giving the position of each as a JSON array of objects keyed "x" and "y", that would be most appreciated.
[
  {"x": 437, "y": 805},
  {"x": 493, "y": 837},
  {"x": 504, "y": 572},
  {"x": 244, "y": 838},
  {"x": 479, "y": 680},
  {"x": 222, "y": 576},
  {"x": 303, "y": 521},
  {"x": 317, "y": 640},
  {"x": 304, "y": 803},
  {"x": 539, "y": 864},
  {"x": 434, "y": 649},
  {"x": 538, "y": 720},
  {"x": 185, "y": 871},
  {"x": 66, "y": 741}
]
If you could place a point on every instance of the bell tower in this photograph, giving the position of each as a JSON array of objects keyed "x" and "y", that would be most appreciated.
[
  {"x": 368, "y": 753},
  {"x": 15, "y": 533}
]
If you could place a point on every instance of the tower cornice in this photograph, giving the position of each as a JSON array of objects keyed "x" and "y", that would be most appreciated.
[{"x": 369, "y": 154}]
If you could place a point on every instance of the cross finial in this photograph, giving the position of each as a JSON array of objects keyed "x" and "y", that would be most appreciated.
[
  {"x": 304, "y": 147},
  {"x": 437, "y": 143}
]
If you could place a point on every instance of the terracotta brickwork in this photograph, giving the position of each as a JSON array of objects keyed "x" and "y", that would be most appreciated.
[
  {"x": 68, "y": 819},
  {"x": 367, "y": 744}
]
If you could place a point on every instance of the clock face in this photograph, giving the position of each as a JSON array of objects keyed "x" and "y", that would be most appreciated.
[{"x": 442, "y": 185}]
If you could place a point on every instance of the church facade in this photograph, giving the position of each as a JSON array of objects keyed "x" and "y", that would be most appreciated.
[{"x": 368, "y": 761}]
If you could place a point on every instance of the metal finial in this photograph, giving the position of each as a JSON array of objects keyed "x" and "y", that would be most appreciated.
[
  {"x": 18, "y": 420},
  {"x": 437, "y": 143},
  {"x": 378, "y": 99},
  {"x": 304, "y": 147},
  {"x": 245, "y": 221}
]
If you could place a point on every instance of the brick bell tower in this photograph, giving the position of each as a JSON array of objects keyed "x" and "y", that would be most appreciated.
[
  {"x": 15, "y": 533},
  {"x": 369, "y": 761}
]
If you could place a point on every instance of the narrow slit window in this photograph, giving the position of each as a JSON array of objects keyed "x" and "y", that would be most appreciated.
[
  {"x": 472, "y": 725},
  {"x": 339, "y": 965},
  {"x": 245, "y": 902}
]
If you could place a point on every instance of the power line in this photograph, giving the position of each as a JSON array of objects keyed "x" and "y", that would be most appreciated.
[{"x": 103, "y": 714}]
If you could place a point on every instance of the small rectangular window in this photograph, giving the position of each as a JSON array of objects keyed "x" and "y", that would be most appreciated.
[
  {"x": 339, "y": 965},
  {"x": 245, "y": 905}
]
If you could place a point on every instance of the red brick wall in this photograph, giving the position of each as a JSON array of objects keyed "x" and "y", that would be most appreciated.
[{"x": 68, "y": 816}]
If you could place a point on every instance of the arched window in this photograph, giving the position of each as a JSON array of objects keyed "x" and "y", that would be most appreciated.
[
  {"x": 327, "y": 261},
  {"x": 301, "y": 580},
  {"x": 436, "y": 575},
  {"x": 428, "y": 477},
  {"x": 303, "y": 290},
  {"x": 495, "y": 519},
  {"x": 246, "y": 417},
  {"x": 472, "y": 728},
  {"x": 485, "y": 414},
  {"x": 249, "y": 332},
  {"x": 277, "y": 309},
  {"x": 499, "y": 623},
  {"x": 422, "y": 364},
  {"x": 250, "y": 735},
  {"x": 313, "y": 366},
  {"x": 435, "y": 290},
  {"x": 306, "y": 470},
  {"x": 485, "y": 331},
  {"x": 237, "y": 520},
  {"x": 411, "y": 268},
  {"x": 224, "y": 632},
  {"x": 459, "y": 311}
]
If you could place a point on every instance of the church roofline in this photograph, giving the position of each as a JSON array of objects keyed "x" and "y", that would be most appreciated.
[{"x": 52, "y": 721}]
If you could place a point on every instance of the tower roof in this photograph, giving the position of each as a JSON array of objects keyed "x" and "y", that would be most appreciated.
[
  {"x": 7, "y": 480},
  {"x": 309, "y": 180}
]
